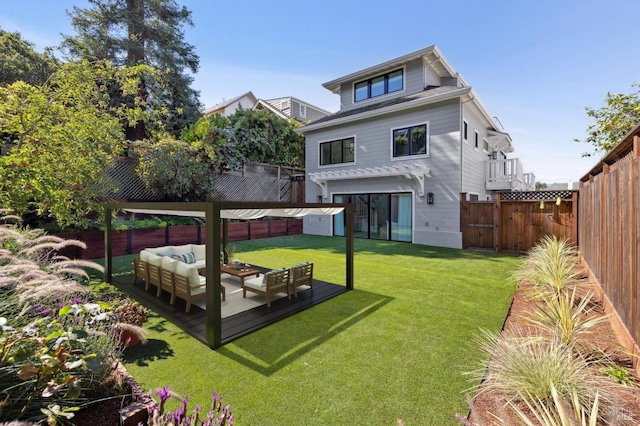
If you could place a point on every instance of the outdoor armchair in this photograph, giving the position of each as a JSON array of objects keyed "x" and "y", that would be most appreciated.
[
  {"x": 301, "y": 274},
  {"x": 273, "y": 282}
]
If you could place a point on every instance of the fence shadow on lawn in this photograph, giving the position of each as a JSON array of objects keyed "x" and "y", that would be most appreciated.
[{"x": 280, "y": 344}]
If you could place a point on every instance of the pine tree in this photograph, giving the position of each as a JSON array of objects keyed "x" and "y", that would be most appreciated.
[{"x": 130, "y": 32}]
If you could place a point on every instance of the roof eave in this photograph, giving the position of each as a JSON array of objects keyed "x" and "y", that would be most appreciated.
[{"x": 386, "y": 110}]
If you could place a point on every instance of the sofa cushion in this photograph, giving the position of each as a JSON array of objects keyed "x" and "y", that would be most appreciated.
[
  {"x": 190, "y": 272},
  {"x": 144, "y": 255},
  {"x": 169, "y": 264},
  {"x": 154, "y": 259},
  {"x": 160, "y": 251},
  {"x": 200, "y": 251},
  {"x": 178, "y": 250},
  {"x": 255, "y": 282}
]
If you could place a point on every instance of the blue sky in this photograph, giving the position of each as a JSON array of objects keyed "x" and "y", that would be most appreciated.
[{"x": 534, "y": 64}]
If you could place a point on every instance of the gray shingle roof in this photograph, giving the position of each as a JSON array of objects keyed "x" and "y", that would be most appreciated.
[{"x": 428, "y": 92}]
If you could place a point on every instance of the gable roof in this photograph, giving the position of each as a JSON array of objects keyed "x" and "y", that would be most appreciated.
[
  {"x": 266, "y": 105},
  {"x": 223, "y": 105},
  {"x": 427, "y": 96}
]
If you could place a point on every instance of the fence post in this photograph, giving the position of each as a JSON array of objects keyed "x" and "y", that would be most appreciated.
[
  {"x": 575, "y": 222},
  {"x": 496, "y": 223},
  {"x": 129, "y": 241},
  {"x": 464, "y": 217}
]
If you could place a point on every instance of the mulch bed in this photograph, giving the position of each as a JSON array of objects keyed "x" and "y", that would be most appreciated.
[{"x": 488, "y": 408}]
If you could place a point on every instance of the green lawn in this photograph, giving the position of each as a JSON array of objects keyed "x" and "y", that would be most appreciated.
[{"x": 392, "y": 349}]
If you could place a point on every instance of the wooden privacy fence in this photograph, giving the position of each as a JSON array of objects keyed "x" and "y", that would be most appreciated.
[
  {"x": 610, "y": 235},
  {"x": 516, "y": 221},
  {"x": 132, "y": 241}
]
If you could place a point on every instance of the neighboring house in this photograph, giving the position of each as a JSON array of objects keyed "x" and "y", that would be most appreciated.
[
  {"x": 562, "y": 186},
  {"x": 287, "y": 107},
  {"x": 226, "y": 108},
  {"x": 410, "y": 138},
  {"x": 291, "y": 107}
]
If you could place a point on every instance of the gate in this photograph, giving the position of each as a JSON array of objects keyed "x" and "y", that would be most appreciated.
[
  {"x": 477, "y": 224},
  {"x": 516, "y": 221}
]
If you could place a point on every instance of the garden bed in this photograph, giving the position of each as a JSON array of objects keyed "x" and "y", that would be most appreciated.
[{"x": 488, "y": 408}]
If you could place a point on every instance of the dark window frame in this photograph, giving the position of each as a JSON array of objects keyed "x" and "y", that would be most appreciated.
[
  {"x": 368, "y": 82},
  {"x": 477, "y": 140},
  {"x": 409, "y": 130},
  {"x": 465, "y": 129},
  {"x": 344, "y": 142}
]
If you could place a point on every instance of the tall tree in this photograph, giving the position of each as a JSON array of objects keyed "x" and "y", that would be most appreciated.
[
  {"x": 150, "y": 32},
  {"x": 19, "y": 61},
  {"x": 613, "y": 121}
]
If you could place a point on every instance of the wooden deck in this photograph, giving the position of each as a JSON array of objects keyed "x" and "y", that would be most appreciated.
[{"x": 233, "y": 326}]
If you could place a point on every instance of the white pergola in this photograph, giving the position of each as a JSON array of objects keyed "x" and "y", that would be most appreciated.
[
  {"x": 215, "y": 213},
  {"x": 417, "y": 172}
]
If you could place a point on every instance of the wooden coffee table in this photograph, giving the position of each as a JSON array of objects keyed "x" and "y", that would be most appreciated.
[{"x": 242, "y": 273}]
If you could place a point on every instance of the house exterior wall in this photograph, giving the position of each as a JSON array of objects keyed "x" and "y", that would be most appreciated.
[
  {"x": 473, "y": 160},
  {"x": 434, "y": 224}
]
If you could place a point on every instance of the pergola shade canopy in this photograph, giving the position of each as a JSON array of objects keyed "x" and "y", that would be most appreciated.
[{"x": 248, "y": 214}]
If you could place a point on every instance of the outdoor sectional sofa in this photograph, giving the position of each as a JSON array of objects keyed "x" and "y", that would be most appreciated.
[{"x": 175, "y": 269}]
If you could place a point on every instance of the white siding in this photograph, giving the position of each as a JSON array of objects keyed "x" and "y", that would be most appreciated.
[
  {"x": 473, "y": 160},
  {"x": 436, "y": 224}
]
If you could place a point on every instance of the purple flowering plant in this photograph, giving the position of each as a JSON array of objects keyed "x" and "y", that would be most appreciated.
[{"x": 218, "y": 415}]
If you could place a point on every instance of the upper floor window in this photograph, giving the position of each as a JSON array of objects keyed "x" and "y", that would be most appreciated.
[
  {"x": 485, "y": 145},
  {"x": 465, "y": 129},
  {"x": 477, "y": 139},
  {"x": 303, "y": 110},
  {"x": 337, "y": 152},
  {"x": 381, "y": 85},
  {"x": 410, "y": 141},
  {"x": 285, "y": 104}
]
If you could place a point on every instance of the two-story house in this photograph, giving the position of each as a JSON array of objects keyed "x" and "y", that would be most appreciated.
[{"x": 411, "y": 136}]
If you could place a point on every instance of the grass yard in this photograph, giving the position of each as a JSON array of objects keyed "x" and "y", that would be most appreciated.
[{"x": 391, "y": 350}]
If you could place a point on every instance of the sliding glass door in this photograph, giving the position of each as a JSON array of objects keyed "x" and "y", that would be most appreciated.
[{"x": 377, "y": 216}]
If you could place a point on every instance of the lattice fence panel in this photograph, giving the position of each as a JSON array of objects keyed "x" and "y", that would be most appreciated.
[{"x": 535, "y": 195}]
